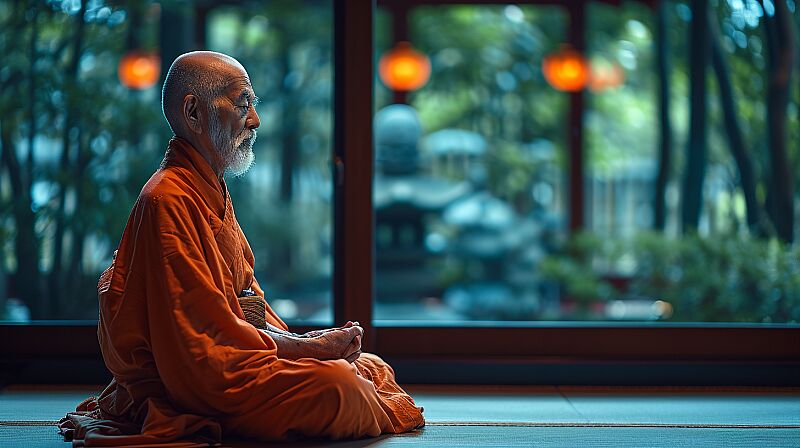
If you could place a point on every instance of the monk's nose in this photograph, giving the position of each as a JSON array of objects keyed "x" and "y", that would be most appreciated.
[{"x": 253, "y": 120}]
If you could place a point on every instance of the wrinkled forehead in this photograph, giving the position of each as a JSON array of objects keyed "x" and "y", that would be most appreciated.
[
  {"x": 238, "y": 88},
  {"x": 234, "y": 80}
]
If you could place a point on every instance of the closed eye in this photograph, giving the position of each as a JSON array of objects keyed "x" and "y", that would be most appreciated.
[
  {"x": 246, "y": 107},
  {"x": 253, "y": 103}
]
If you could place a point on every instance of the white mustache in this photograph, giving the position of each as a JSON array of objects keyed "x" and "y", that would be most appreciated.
[{"x": 249, "y": 139}]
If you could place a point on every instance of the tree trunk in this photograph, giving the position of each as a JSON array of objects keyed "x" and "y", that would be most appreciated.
[
  {"x": 176, "y": 33},
  {"x": 26, "y": 244},
  {"x": 71, "y": 282},
  {"x": 55, "y": 280},
  {"x": 290, "y": 148},
  {"x": 733, "y": 131},
  {"x": 665, "y": 123},
  {"x": 289, "y": 131},
  {"x": 780, "y": 55},
  {"x": 696, "y": 151},
  {"x": 32, "y": 94}
]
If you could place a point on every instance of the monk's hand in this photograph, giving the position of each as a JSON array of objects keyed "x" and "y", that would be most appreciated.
[
  {"x": 336, "y": 343},
  {"x": 316, "y": 333},
  {"x": 353, "y": 351},
  {"x": 340, "y": 343}
]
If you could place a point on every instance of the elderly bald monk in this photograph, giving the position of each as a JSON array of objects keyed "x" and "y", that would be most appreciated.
[{"x": 196, "y": 352}]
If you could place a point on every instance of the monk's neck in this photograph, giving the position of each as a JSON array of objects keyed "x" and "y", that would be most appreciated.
[
  {"x": 215, "y": 166},
  {"x": 209, "y": 154}
]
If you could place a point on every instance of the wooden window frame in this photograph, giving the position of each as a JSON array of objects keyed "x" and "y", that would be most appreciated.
[
  {"x": 479, "y": 352},
  {"x": 539, "y": 352}
]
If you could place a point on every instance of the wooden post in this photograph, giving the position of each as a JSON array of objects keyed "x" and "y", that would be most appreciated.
[
  {"x": 399, "y": 11},
  {"x": 577, "y": 14},
  {"x": 353, "y": 164}
]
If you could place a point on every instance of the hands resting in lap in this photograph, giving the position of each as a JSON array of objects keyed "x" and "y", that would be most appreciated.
[
  {"x": 338, "y": 343},
  {"x": 333, "y": 343}
]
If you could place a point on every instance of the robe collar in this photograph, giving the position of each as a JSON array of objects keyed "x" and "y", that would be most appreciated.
[{"x": 181, "y": 153}]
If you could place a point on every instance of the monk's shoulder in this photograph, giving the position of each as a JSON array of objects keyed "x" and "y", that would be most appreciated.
[{"x": 167, "y": 190}]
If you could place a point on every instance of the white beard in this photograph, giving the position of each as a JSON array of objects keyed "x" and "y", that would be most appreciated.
[{"x": 236, "y": 154}]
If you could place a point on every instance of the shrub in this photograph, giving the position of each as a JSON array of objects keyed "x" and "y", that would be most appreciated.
[{"x": 705, "y": 279}]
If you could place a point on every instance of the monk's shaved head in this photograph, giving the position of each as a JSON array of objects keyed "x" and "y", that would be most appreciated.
[{"x": 204, "y": 74}]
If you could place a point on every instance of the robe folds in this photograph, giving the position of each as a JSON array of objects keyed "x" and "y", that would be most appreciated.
[{"x": 187, "y": 367}]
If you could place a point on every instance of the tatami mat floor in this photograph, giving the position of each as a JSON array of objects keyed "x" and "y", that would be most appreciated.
[{"x": 514, "y": 416}]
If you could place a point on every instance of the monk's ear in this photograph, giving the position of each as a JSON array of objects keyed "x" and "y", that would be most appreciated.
[{"x": 191, "y": 114}]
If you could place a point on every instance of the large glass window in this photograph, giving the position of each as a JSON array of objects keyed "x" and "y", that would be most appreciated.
[
  {"x": 469, "y": 182},
  {"x": 684, "y": 222},
  {"x": 81, "y": 135}
]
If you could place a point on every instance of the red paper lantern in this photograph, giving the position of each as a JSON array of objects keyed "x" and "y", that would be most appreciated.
[
  {"x": 566, "y": 70},
  {"x": 139, "y": 70},
  {"x": 404, "y": 69}
]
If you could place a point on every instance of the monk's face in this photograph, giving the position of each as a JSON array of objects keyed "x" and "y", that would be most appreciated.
[{"x": 232, "y": 123}]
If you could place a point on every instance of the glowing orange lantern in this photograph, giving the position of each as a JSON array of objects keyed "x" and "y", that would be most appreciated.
[
  {"x": 404, "y": 69},
  {"x": 139, "y": 70},
  {"x": 566, "y": 70}
]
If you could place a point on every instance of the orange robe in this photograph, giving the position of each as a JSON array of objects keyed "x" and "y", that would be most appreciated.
[{"x": 187, "y": 367}]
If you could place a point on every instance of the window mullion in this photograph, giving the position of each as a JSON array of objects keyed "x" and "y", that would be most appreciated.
[{"x": 353, "y": 163}]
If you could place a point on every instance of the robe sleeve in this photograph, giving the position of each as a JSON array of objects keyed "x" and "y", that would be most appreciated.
[{"x": 206, "y": 356}]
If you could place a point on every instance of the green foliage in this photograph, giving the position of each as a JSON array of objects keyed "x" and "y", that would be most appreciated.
[
  {"x": 486, "y": 78},
  {"x": 96, "y": 142},
  {"x": 573, "y": 269},
  {"x": 621, "y": 122},
  {"x": 713, "y": 279},
  {"x": 93, "y": 144},
  {"x": 486, "y": 70}
]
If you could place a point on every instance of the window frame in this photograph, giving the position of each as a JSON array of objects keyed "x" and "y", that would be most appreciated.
[
  {"x": 766, "y": 354},
  {"x": 476, "y": 352}
]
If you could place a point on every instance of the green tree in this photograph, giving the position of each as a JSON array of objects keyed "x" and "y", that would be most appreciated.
[
  {"x": 68, "y": 147},
  {"x": 696, "y": 149},
  {"x": 781, "y": 55},
  {"x": 733, "y": 129},
  {"x": 661, "y": 42}
]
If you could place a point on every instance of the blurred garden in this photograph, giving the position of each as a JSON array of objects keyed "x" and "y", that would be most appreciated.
[
  {"x": 79, "y": 140},
  {"x": 689, "y": 203},
  {"x": 676, "y": 120}
]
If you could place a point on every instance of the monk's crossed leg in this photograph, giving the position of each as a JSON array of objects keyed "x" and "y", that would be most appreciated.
[{"x": 319, "y": 399}]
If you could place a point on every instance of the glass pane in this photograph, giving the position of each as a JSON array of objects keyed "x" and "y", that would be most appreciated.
[
  {"x": 621, "y": 120},
  {"x": 715, "y": 268},
  {"x": 470, "y": 179},
  {"x": 78, "y": 145},
  {"x": 469, "y": 184}
]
